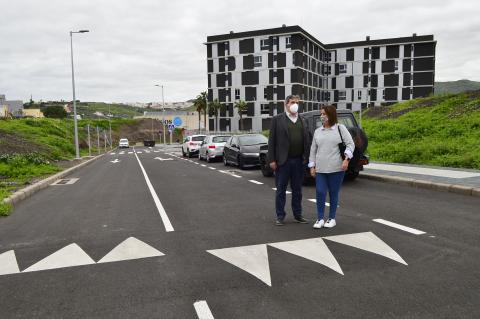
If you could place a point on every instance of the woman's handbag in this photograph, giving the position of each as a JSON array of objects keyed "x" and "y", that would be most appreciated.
[{"x": 341, "y": 146}]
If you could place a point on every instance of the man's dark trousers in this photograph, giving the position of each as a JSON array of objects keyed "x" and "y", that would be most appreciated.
[{"x": 294, "y": 170}]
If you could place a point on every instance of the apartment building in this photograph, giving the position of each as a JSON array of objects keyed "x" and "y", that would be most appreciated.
[{"x": 262, "y": 67}]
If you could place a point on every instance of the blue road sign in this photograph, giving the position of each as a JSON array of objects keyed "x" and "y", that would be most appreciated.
[{"x": 177, "y": 121}]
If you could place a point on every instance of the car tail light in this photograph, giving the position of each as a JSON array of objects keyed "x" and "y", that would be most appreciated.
[
  {"x": 191, "y": 144},
  {"x": 211, "y": 146}
]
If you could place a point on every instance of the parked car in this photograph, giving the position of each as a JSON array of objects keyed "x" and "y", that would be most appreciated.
[
  {"x": 346, "y": 118},
  {"x": 212, "y": 147},
  {"x": 123, "y": 143},
  {"x": 191, "y": 145},
  {"x": 150, "y": 143},
  {"x": 243, "y": 150}
]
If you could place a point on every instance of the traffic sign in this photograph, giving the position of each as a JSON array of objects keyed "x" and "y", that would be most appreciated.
[{"x": 177, "y": 121}]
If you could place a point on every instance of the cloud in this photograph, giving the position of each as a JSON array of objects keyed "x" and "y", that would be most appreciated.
[{"x": 134, "y": 45}]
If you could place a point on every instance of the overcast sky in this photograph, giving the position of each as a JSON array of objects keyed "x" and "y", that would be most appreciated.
[{"x": 135, "y": 44}]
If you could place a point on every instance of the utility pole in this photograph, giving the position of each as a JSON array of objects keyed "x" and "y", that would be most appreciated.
[
  {"x": 98, "y": 141},
  {"x": 110, "y": 124},
  {"x": 105, "y": 140},
  {"x": 89, "y": 146}
]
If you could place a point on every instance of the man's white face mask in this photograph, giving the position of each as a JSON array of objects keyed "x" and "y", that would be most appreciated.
[{"x": 294, "y": 108}]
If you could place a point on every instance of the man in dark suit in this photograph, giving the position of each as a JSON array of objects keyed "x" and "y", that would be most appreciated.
[{"x": 288, "y": 148}]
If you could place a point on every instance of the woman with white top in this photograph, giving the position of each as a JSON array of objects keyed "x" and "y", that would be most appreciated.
[{"x": 327, "y": 164}]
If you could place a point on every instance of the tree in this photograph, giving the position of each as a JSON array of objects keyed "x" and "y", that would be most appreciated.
[
  {"x": 54, "y": 111},
  {"x": 241, "y": 107},
  {"x": 214, "y": 109},
  {"x": 200, "y": 104}
]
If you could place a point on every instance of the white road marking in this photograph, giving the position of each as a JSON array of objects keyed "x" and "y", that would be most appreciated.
[
  {"x": 163, "y": 159},
  {"x": 130, "y": 152},
  {"x": 147, "y": 152},
  {"x": 202, "y": 309},
  {"x": 252, "y": 259},
  {"x": 69, "y": 256},
  {"x": 115, "y": 161},
  {"x": 203, "y": 165},
  {"x": 421, "y": 171},
  {"x": 288, "y": 192},
  {"x": 70, "y": 181},
  {"x": 196, "y": 163},
  {"x": 211, "y": 167},
  {"x": 161, "y": 210},
  {"x": 398, "y": 226},
  {"x": 130, "y": 248},
  {"x": 370, "y": 242},
  {"x": 255, "y": 182},
  {"x": 138, "y": 152},
  {"x": 112, "y": 153},
  {"x": 8, "y": 263},
  {"x": 313, "y": 200},
  {"x": 156, "y": 151},
  {"x": 313, "y": 249},
  {"x": 121, "y": 153}
]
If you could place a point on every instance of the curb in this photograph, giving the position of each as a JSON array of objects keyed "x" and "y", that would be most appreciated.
[
  {"x": 32, "y": 189},
  {"x": 443, "y": 187}
]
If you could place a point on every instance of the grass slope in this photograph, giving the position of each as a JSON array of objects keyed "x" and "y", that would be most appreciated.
[{"x": 441, "y": 130}]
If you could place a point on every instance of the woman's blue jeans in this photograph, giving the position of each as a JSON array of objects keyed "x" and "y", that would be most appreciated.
[{"x": 330, "y": 182}]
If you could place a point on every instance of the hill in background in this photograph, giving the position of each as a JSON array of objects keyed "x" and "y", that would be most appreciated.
[{"x": 456, "y": 86}]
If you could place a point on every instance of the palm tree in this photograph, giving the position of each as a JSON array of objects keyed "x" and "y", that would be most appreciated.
[
  {"x": 241, "y": 107},
  {"x": 214, "y": 109}
]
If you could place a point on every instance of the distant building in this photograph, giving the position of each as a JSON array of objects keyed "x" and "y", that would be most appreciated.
[
  {"x": 262, "y": 67},
  {"x": 33, "y": 113},
  {"x": 3, "y": 111},
  {"x": 189, "y": 118},
  {"x": 14, "y": 107}
]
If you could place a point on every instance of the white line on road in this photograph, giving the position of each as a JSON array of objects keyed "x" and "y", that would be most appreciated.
[
  {"x": 422, "y": 171},
  {"x": 203, "y": 165},
  {"x": 398, "y": 226},
  {"x": 255, "y": 182},
  {"x": 202, "y": 309},
  {"x": 161, "y": 210},
  {"x": 212, "y": 167}
]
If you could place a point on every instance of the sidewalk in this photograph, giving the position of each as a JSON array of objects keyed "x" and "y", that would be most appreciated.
[{"x": 464, "y": 181}]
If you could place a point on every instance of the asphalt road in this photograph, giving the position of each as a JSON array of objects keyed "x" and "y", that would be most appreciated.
[{"x": 224, "y": 250}]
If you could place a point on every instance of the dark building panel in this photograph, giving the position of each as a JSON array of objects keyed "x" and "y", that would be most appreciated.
[
  {"x": 281, "y": 60},
  {"x": 337, "y": 69},
  {"x": 391, "y": 94},
  {"x": 365, "y": 81},
  {"x": 388, "y": 66},
  {"x": 250, "y": 78},
  {"x": 334, "y": 83},
  {"x": 224, "y": 124},
  {"x": 374, "y": 80},
  {"x": 407, "y": 51},
  {"x": 211, "y": 124},
  {"x": 210, "y": 65},
  {"x": 250, "y": 93},
  {"x": 222, "y": 93},
  {"x": 365, "y": 67},
  {"x": 220, "y": 80},
  {"x": 280, "y": 76},
  {"x": 423, "y": 78},
  {"x": 221, "y": 65},
  {"x": 349, "y": 106},
  {"x": 231, "y": 64},
  {"x": 350, "y": 55},
  {"x": 266, "y": 124},
  {"x": 268, "y": 93},
  {"x": 247, "y": 46},
  {"x": 406, "y": 79},
  {"x": 366, "y": 52},
  {"x": 220, "y": 49},
  {"x": 247, "y": 124},
  {"x": 373, "y": 94},
  {"x": 251, "y": 109},
  {"x": 424, "y": 64},
  {"x": 248, "y": 62},
  {"x": 349, "y": 82},
  {"x": 390, "y": 80},
  {"x": 393, "y": 51},
  {"x": 297, "y": 42},
  {"x": 223, "y": 109},
  {"x": 209, "y": 50},
  {"x": 229, "y": 79},
  {"x": 298, "y": 59},
  {"x": 335, "y": 96},
  {"x": 210, "y": 95},
  {"x": 372, "y": 66},
  {"x": 375, "y": 53},
  {"x": 270, "y": 60},
  {"x": 407, "y": 64},
  {"x": 424, "y": 49},
  {"x": 406, "y": 94},
  {"x": 280, "y": 107},
  {"x": 422, "y": 91},
  {"x": 230, "y": 109},
  {"x": 280, "y": 92}
]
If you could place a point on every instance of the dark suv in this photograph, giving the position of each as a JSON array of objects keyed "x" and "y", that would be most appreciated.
[{"x": 346, "y": 118}]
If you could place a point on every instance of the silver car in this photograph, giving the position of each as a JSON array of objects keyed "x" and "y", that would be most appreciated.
[{"x": 212, "y": 147}]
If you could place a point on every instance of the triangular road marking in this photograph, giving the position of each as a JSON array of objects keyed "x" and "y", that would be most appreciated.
[
  {"x": 252, "y": 259},
  {"x": 313, "y": 249},
  {"x": 370, "y": 242},
  {"x": 69, "y": 256},
  {"x": 130, "y": 248},
  {"x": 8, "y": 263}
]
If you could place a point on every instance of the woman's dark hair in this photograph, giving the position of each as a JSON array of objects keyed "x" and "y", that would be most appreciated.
[{"x": 331, "y": 112}]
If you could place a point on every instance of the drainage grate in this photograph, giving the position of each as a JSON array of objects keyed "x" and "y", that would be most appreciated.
[{"x": 65, "y": 181}]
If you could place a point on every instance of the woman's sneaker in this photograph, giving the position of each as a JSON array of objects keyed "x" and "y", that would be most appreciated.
[
  {"x": 330, "y": 223},
  {"x": 319, "y": 224}
]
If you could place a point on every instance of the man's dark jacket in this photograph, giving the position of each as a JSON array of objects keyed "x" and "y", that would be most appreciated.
[{"x": 278, "y": 141}]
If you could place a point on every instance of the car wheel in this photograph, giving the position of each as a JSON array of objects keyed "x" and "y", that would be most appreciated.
[
  {"x": 225, "y": 162},
  {"x": 240, "y": 163},
  {"x": 266, "y": 170},
  {"x": 207, "y": 159},
  {"x": 183, "y": 153}
]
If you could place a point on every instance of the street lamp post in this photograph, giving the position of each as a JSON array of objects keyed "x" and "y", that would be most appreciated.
[
  {"x": 163, "y": 117},
  {"x": 77, "y": 150}
]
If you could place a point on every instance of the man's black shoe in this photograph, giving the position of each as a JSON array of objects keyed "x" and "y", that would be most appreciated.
[
  {"x": 301, "y": 220},
  {"x": 279, "y": 222}
]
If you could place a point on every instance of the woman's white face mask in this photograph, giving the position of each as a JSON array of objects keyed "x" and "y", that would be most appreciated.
[{"x": 294, "y": 108}]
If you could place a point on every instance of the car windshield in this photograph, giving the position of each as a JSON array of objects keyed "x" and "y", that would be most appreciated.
[
  {"x": 252, "y": 139},
  {"x": 198, "y": 138},
  {"x": 220, "y": 139},
  {"x": 123, "y": 140}
]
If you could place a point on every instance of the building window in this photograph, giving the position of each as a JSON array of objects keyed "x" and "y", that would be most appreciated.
[
  {"x": 265, "y": 109},
  {"x": 342, "y": 68},
  {"x": 264, "y": 44},
  {"x": 265, "y": 94},
  {"x": 288, "y": 41},
  {"x": 237, "y": 94},
  {"x": 227, "y": 48},
  {"x": 383, "y": 94},
  {"x": 359, "y": 95},
  {"x": 342, "y": 95},
  {"x": 257, "y": 61}
]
